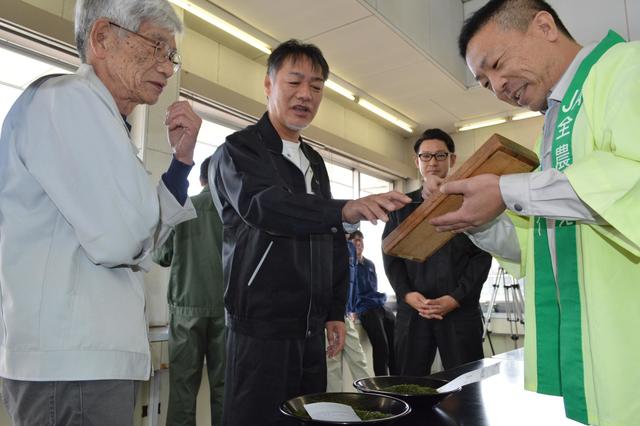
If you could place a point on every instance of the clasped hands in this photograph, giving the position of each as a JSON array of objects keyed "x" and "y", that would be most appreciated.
[{"x": 431, "y": 308}]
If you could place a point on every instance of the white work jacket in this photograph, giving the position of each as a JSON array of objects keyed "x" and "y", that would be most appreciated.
[{"x": 79, "y": 217}]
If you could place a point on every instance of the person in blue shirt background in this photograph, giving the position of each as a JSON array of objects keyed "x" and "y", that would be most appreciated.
[
  {"x": 367, "y": 303},
  {"x": 352, "y": 354}
]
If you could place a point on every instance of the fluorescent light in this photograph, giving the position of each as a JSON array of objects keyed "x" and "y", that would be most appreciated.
[
  {"x": 479, "y": 124},
  {"x": 202, "y": 13},
  {"x": 525, "y": 115},
  {"x": 384, "y": 114},
  {"x": 223, "y": 25},
  {"x": 339, "y": 89}
]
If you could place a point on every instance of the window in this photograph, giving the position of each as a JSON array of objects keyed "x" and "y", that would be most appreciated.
[
  {"x": 19, "y": 71},
  {"x": 341, "y": 180},
  {"x": 350, "y": 183},
  {"x": 373, "y": 233},
  {"x": 496, "y": 282},
  {"x": 210, "y": 137}
]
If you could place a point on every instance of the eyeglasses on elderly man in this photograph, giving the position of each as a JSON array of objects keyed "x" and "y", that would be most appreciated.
[{"x": 162, "y": 51}]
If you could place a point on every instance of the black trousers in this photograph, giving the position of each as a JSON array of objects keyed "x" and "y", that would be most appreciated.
[
  {"x": 458, "y": 337},
  {"x": 262, "y": 373},
  {"x": 379, "y": 323}
]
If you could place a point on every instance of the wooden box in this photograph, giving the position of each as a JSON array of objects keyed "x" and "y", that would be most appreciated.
[{"x": 415, "y": 238}]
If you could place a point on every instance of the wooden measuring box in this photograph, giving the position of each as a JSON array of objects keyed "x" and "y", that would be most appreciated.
[{"x": 415, "y": 238}]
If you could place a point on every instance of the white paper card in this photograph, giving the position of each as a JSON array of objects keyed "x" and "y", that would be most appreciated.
[
  {"x": 471, "y": 377},
  {"x": 331, "y": 411}
]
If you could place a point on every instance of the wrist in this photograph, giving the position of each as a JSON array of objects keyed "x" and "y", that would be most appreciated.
[
  {"x": 184, "y": 159},
  {"x": 454, "y": 302},
  {"x": 407, "y": 296}
]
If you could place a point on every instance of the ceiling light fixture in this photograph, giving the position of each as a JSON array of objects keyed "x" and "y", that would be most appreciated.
[
  {"x": 339, "y": 89},
  {"x": 223, "y": 25},
  {"x": 384, "y": 114},
  {"x": 525, "y": 115},
  {"x": 479, "y": 124},
  {"x": 191, "y": 7}
]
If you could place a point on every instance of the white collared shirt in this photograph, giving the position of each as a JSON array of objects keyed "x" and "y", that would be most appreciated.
[{"x": 292, "y": 152}]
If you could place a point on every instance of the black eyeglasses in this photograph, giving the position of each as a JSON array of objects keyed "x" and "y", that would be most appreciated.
[
  {"x": 427, "y": 156},
  {"x": 162, "y": 52}
]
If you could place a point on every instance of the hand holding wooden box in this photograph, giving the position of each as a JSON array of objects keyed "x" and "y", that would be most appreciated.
[{"x": 415, "y": 238}]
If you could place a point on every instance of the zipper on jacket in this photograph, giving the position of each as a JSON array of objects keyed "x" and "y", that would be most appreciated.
[
  {"x": 307, "y": 332},
  {"x": 255, "y": 271}
]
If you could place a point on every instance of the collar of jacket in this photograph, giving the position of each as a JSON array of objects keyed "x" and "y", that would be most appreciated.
[
  {"x": 415, "y": 195},
  {"x": 273, "y": 141},
  {"x": 87, "y": 72}
]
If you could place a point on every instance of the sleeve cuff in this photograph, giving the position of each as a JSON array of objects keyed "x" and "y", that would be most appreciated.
[
  {"x": 171, "y": 212},
  {"x": 498, "y": 237},
  {"x": 333, "y": 214},
  {"x": 350, "y": 227},
  {"x": 515, "y": 192},
  {"x": 401, "y": 292},
  {"x": 175, "y": 179},
  {"x": 336, "y": 314},
  {"x": 458, "y": 294}
]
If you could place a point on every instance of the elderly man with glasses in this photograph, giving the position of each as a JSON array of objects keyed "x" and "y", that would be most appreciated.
[
  {"x": 438, "y": 299},
  {"x": 79, "y": 218}
]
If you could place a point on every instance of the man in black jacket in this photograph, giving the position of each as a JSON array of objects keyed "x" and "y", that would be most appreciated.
[
  {"x": 438, "y": 300},
  {"x": 285, "y": 260}
]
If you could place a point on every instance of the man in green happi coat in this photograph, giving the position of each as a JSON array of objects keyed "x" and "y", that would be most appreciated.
[{"x": 571, "y": 225}]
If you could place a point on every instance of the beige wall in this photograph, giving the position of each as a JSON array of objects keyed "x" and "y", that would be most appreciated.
[{"x": 524, "y": 132}]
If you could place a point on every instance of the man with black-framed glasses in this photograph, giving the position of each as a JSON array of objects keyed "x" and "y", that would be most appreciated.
[
  {"x": 438, "y": 300},
  {"x": 79, "y": 218}
]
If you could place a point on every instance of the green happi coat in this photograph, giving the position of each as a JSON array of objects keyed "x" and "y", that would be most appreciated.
[{"x": 583, "y": 342}]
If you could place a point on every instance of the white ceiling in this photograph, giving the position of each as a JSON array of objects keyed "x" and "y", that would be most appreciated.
[{"x": 370, "y": 53}]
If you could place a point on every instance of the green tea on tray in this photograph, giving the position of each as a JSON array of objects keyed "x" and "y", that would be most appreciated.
[
  {"x": 371, "y": 415},
  {"x": 410, "y": 389}
]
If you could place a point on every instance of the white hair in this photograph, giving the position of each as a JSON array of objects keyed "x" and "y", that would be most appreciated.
[{"x": 129, "y": 14}]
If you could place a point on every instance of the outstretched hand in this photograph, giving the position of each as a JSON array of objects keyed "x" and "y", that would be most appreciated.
[
  {"x": 373, "y": 207},
  {"x": 482, "y": 202}
]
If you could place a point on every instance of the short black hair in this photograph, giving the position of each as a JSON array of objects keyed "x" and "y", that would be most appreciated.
[
  {"x": 438, "y": 134},
  {"x": 355, "y": 234},
  {"x": 204, "y": 168},
  {"x": 297, "y": 50},
  {"x": 510, "y": 14}
]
